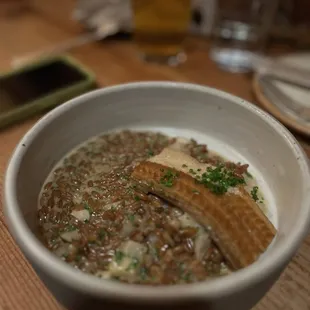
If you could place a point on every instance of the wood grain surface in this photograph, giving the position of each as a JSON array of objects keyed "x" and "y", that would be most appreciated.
[{"x": 113, "y": 62}]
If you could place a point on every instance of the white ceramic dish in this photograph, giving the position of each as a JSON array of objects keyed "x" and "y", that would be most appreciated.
[{"x": 229, "y": 125}]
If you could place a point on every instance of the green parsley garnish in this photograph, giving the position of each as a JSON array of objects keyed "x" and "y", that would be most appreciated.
[
  {"x": 254, "y": 192},
  {"x": 137, "y": 198},
  {"x": 154, "y": 252},
  {"x": 87, "y": 207},
  {"x": 78, "y": 258},
  {"x": 143, "y": 273},
  {"x": 119, "y": 255},
  {"x": 129, "y": 190},
  {"x": 249, "y": 175},
  {"x": 102, "y": 234},
  {"x": 71, "y": 228},
  {"x": 150, "y": 153},
  {"x": 186, "y": 276},
  {"x": 184, "y": 166},
  {"x": 220, "y": 179},
  {"x": 131, "y": 217},
  {"x": 168, "y": 178},
  {"x": 192, "y": 171},
  {"x": 134, "y": 264}
]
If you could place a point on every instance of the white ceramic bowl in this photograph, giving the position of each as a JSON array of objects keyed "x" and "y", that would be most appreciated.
[{"x": 228, "y": 124}]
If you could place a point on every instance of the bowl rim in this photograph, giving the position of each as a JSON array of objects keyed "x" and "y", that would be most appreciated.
[{"x": 57, "y": 269}]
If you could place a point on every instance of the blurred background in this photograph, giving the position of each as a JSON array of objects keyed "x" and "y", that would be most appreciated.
[
  {"x": 201, "y": 41},
  {"x": 289, "y": 27}
]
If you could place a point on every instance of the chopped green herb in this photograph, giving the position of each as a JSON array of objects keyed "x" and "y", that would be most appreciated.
[
  {"x": 220, "y": 179},
  {"x": 198, "y": 169},
  {"x": 119, "y": 255},
  {"x": 254, "y": 192},
  {"x": 78, "y": 258},
  {"x": 249, "y": 175},
  {"x": 184, "y": 166},
  {"x": 102, "y": 234},
  {"x": 113, "y": 208},
  {"x": 181, "y": 266},
  {"x": 134, "y": 264},
  {"x": 87, "y": 207},
  {"x": 150, "y": 153},
  {"x": 129, "y": 190},
  {"x": 131, "y": 217},
  {"x": 168, "y": 178},
  {"x": 154, "y": 252},
  {"x": 137, "y": 198},
  {"x": 186, "y": 277},
  {"x": 192, "y": 171},
  {"x": 71, "y": 228},
  {"x": 143, "y": 273}
]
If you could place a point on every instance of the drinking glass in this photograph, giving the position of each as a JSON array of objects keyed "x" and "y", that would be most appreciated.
[
  {"x": 241, "y": 27},
  {"x": 160, "y": 29}
]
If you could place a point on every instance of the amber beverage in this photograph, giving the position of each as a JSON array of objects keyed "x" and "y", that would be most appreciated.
[{"x": 160, "y": 29}]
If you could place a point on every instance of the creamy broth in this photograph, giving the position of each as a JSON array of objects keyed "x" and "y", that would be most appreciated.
[{"x": 93, "y": 217}]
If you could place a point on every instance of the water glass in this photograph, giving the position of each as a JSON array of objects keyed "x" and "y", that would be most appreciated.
[{"x": 241, "y": 27}]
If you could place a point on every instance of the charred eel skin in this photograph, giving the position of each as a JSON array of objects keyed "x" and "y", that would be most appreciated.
[{"x": 237, "y": 225}]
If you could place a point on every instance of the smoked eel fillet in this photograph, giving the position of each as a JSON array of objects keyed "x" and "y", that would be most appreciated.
[{"x": 236, "y": 223}]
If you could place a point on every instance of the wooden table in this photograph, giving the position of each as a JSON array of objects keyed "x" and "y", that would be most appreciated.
[{"x": 114, "y": 62}]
